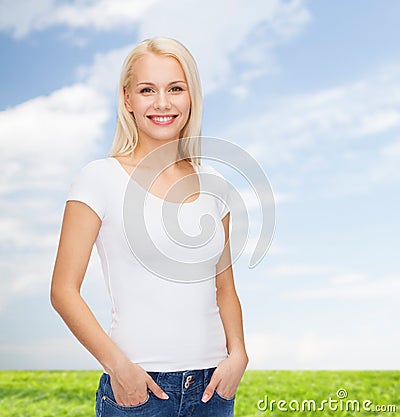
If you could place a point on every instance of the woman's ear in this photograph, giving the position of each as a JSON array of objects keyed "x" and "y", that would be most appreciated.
[{"x": 127, "y": 101}]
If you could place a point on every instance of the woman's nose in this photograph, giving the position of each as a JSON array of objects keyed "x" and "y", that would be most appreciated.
[{"x": 162, "y": 101}]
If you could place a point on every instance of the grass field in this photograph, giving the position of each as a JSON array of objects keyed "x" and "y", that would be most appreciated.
[{"x": 71, "y": 393}]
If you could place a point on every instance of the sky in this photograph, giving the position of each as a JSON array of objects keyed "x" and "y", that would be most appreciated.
[{"x": 310, "y": 89}]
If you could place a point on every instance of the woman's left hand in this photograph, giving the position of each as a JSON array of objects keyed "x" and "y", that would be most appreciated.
[{"x": 227, "y": 376}]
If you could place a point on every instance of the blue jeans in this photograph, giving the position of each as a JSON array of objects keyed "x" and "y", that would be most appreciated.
[{"x": 184, "y": 389}]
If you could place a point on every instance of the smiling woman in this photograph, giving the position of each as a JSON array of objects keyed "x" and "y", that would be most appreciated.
[
  {"x": 158, "y": 360},
  {"x": 151, "y": 59},
  {"x": 161, "y": 103}
]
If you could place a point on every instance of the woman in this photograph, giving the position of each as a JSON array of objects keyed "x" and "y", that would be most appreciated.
[{"x": 175, "y": 348}]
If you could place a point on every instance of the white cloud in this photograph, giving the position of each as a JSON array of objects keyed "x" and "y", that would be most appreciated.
[
  {"x": 392, "y": 150},
  {"x": 44, "y": 142},
  {"x": 20, "y": 17},
  {"x": 217, "y": 34},
  {"x": 385, "y": 167},
  {"x": 311, "y": 350},
  {"x": 307, "y": 132},
  {"x": 353, "y": 287},
  {"x": 99, "y": 14},
  {"x": 41, "y": 137},
  {"x": 104, "y": 73},
  {"x": 349, "y": 278},
  {"x": 240, "y": 91},
  {"x": 319, "y": 281},
  {"x": 220, "y": 35},
  {"x": 294, "y": 270},
  {"x": 349, "y": 112},
  {"x": 220, "y": 38},
  {"x": 51, "y": 353},
  {"x": 26, "y": 273}
]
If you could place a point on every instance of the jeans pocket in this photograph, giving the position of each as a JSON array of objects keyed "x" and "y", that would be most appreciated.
[
  {"x": 111, "y": 402},
  {"x": 106, "y": 403},
  {"x": 221, "y": 397}
]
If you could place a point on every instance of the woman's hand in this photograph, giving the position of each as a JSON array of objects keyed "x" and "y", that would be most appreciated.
[
  {"x": 130, "y": 382},
  {"x": 227, "y": 376}
]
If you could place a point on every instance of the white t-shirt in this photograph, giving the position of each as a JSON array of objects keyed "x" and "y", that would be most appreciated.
[{"x": 164, "y": 312}]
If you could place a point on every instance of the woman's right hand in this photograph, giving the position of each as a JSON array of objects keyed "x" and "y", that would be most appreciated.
[{"x": 130, "y": 382}]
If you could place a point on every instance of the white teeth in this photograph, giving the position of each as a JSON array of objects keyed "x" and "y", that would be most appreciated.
[{"x": 162, "y": 119}]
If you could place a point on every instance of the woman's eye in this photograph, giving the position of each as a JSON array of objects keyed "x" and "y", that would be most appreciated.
[
  {"x": 146, "y": 90},
  {"x": 176, "y": 89}
]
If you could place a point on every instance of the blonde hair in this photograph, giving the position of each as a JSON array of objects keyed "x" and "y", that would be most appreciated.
[{"x": 126, "y": 133}]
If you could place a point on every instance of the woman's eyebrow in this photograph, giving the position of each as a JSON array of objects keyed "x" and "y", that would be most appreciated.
[{"x": 150, "y": 83}]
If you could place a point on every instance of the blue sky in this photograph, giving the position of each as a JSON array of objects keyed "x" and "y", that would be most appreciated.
[{"x": 311, "y": 89}]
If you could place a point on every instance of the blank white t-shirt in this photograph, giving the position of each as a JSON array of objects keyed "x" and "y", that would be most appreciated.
[{"x": 164, "y": 312}]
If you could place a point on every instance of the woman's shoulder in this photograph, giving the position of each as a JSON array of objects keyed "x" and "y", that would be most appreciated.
[
  {"x": 209, "y": 169},
  {"x": 99, "y": 163},
  {"x": 94, "y": 171},
  {"x": 96, "y": 167},
  {"x": 213, "y": 179}
]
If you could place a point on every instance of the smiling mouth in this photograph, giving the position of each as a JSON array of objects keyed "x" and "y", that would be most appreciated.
[{"x": 162, "y": 120}]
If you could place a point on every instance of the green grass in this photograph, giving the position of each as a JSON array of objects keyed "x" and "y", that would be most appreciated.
[
  {"x": 61, "y": 394},
  {"x": 380, "y": 387},
  {"x": 47, "y": 393}
]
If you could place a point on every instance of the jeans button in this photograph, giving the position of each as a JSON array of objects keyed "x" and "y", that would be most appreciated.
[{"x": 188, "y": 380}]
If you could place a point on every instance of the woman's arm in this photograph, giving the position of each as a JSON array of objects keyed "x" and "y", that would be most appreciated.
[
  {"x": 78, "y": 234},
  {"x": 229, "y": 372}
]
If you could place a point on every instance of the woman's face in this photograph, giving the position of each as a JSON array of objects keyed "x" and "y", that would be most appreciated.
[{"x": 158, "y": 97}]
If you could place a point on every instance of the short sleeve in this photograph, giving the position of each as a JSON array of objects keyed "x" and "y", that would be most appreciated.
[
  {"x": 87, "y": 188},
  {"x": 223, "y": 197},
  {"x": 224, "y": 202}
]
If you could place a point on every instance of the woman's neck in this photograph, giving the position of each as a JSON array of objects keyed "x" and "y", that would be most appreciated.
[{"x": 156, "y": 156}]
